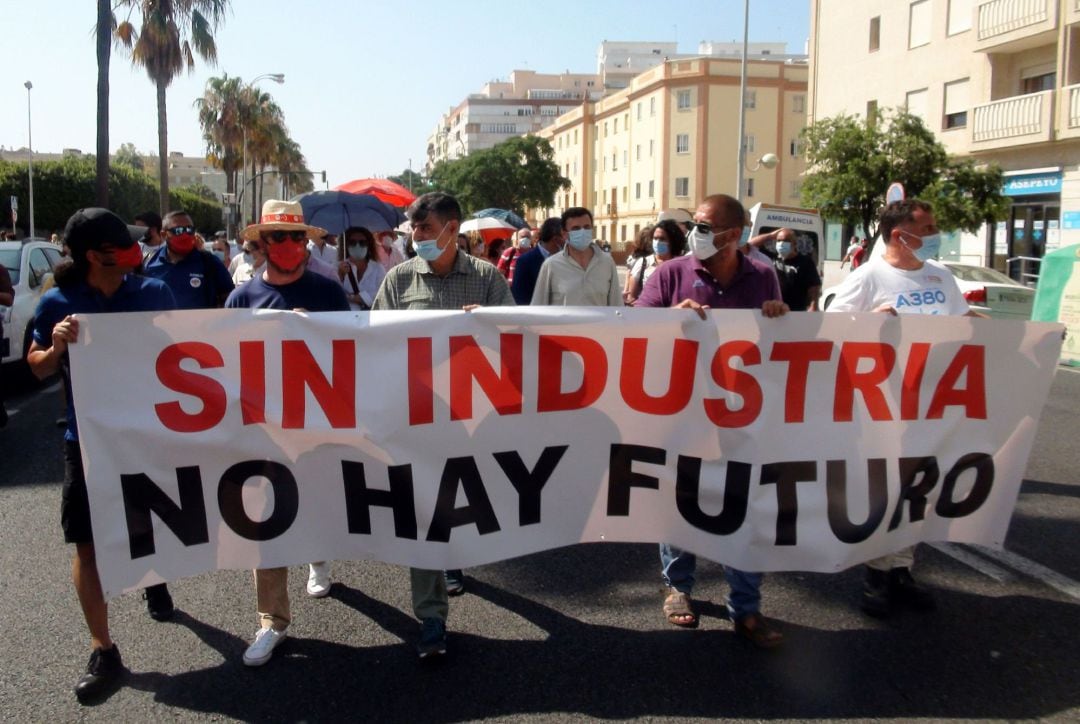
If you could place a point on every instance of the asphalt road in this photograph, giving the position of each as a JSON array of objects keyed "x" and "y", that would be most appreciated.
[{"x": 570, "y": 634}]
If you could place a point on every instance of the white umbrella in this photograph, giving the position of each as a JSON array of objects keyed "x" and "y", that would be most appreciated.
[{"x": 486, "y": 223}]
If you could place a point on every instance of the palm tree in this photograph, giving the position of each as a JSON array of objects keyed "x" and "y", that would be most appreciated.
[
  {"x": 104, "y": 37},
  {"x": 220, "y": 112},
  {"x": 170, "y": 34}
]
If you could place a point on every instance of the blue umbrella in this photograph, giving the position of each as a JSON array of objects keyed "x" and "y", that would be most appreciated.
[
  {"x": 336, "y": 211},
  {"x": 503, "y": 215}
]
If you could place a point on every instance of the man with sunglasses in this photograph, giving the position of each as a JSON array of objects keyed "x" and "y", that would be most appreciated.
[
  {"x": 284, "y": 282},
  {"x": 197, "y": 278},
  {"x": 97, "y": 280},
  {"x": 716, "y": 275}
]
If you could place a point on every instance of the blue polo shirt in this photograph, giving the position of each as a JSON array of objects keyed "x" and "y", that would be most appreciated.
[
  {"x": 135, "y": 294},
  {"x": 311, "y": 291},
  {"x": 196, "y": 281}
]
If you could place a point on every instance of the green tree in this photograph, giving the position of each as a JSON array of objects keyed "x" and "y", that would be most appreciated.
[
  {"x": 128, "y": 155},
  {"x": 852, "y": 161},
  {"x": 410, "y": 180},
  {"x": 516, "y": 174},
  {"x": 170, "y": 34}
]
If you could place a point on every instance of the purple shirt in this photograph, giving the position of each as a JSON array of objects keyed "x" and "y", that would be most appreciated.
[{"x": 686, "y": 278}]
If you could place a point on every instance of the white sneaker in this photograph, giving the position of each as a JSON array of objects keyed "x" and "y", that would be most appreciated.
[
  {"x": 318, "y": 582},
  {"x": 263, "y": 647}
]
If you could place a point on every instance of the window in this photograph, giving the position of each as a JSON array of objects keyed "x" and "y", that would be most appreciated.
[
  {"x": 616, "y": 126},
  {"x": 637, "y": 190},
  {"x": 652, "y": 106},
  {"x": 625, "y": 157},
  {"x": 749, "y": 141},
  {"x": 919, "y": 23},
  {"x": 871, "y": 113},
  {"x": 916, "y": 103},
  {"x": 623, "y": 230},
  {"x": 575, "y": 167},
  {"x": 652, "y": 189},
  {"x": 605, "y": 129},
  {"x": 614, "y": 160},
  {"x": 795, "y": 189},
  {"x": 1038, "y": 83},
  {"x": 682, "y": 143},
  {"x": 625, "y": 193},
  {"x": 639, "y": 110},
  {"x": 575, "y": 136},
  {"x": 637, "y": 152},
  {"x": 956, "y": 104},
  {"x": 682, "y": 186},
  {"x": 651, "y": 142},
  {"x": 796, "y": 147},
  {"x": 683, "y": 100},
  {"x": 751, "y": 99},
  {"x": 39, "y": 267},
  {"x": 959, "y": 17},
  {"x": 749, "y": 188},
  {"x": 798, "y": 103},
  {"x": 875, "y": 33}
]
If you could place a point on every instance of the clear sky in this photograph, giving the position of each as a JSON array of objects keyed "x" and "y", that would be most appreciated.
[{"x": 365, "y": 81}]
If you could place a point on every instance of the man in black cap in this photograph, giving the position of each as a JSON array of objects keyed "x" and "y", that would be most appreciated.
[{"x": 97, "y": 280}]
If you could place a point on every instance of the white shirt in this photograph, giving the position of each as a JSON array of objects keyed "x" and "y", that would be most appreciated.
[
  {"x": 562, "y": 281},
  {"x": 244, "y": 271},
  {"x": 931, "y": 289},
  {"x": 368, "y": 284},
  {"x": 327, "y": 253},
  {"x": 389, "y": 258},
  {"x": 322, "y": 268},
  {"x": 650, "y": 262}
]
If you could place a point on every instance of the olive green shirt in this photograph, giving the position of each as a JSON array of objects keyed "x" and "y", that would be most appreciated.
[{"x": 414, "y": 285}]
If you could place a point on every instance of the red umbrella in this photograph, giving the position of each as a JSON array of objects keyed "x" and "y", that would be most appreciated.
[{"x": 381, "y": 188}]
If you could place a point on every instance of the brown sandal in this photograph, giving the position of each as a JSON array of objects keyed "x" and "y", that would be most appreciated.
[
  {"x": 677, "y": 609},
  {"x": 755, "y": 628}
]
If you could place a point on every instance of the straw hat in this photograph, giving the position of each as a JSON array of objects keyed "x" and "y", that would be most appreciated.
[{"x": 281, "y": 216}]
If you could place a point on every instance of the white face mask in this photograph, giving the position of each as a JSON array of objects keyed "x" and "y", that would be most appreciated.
[{"x": 701, "y": 242}]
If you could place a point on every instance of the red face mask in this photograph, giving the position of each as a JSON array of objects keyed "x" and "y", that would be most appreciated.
[
  {"x": 129, "y": 257},
  {"x": 182, "y": 243},
  {"x": 287, "y": 255}
]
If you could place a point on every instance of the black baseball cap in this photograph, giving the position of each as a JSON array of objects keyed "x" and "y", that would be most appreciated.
[{"x": 94, "y": 228}]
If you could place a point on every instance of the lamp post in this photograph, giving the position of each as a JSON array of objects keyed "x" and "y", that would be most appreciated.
[
  {"x": 278, "y": 78},
  {"x": 741, "y": 158},
  {"x": 30, "y": 154}
]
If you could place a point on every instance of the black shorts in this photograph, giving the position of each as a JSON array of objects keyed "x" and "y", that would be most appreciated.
[{"x": 74, "y": 503}]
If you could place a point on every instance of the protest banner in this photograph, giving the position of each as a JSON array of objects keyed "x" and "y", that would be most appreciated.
[{"x": 242, "y": 439}]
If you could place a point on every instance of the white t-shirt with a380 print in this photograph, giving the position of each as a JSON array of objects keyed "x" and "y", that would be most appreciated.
[{"x": 931, "y": 289}]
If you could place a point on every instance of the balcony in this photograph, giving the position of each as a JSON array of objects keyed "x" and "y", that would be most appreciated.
[
  {"x": 1009, "y": 26},
  {"x": 1015, "y": 121},
  {"x": 1069, "y": 115},
  {"x": 1073, "y": 12}
]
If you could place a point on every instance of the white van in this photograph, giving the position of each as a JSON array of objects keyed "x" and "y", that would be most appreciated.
[{"x": 806, "y": 223}]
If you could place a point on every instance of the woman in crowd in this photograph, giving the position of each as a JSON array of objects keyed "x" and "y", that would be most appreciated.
[
  {"x": 667, "y": 241},
  {"x": 359, "y": 270},
  {"x": 494, "y": 251}
]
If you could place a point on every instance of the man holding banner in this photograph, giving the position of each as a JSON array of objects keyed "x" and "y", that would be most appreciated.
[
  {"x": 285, "y": 283},
  {"x": 903, "y": 280},
  {"x": 440, "y": 276},
  {"x": 716, "y": 275},
  {"x": 96, "y": 281}
]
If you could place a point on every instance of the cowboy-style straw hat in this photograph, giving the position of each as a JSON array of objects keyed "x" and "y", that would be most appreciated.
[{"x": 281, "y": 216}]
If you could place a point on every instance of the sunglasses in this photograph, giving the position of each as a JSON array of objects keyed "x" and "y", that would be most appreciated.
[
  {"x": 181, "y": 230},
  {"x": 702, "y": 228},
  {"x": 276, "y": 237}
]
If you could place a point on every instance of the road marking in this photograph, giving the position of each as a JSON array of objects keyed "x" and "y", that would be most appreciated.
[
  {"x": 1030, "y": 568},
  {"x": 971, "y": 560}
]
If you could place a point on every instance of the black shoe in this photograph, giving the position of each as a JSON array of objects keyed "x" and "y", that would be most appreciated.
[
  {"x": 102, "y": 673},
  {"x": 158, "y": 602},
  {"x": 455, "y": 582},
  {"x": 876, "y": 594},
  {"x": 432, "y": 642},
  {"x": 905, "y": 589}
]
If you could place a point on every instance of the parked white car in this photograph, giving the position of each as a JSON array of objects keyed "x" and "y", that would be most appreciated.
[
  {"x": 986, "y": 290},
  {"x": 29, "y": 262}
]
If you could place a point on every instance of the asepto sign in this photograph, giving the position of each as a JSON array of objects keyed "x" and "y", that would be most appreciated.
[{"x": 1032, "y": 184}]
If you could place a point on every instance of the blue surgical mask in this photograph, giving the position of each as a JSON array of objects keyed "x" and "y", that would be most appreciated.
[
  {"x": 931, "y": 246},
  {"x": 358, "y": 251},
  {"x": 745, "y": 238},
  {"x": 428, "y": 249},
  {"x": 219, "y": 254},
  {"x": 579, "y": 238},
  {"x": 661, "y": 248},
  {"x": 783, "y": 248}
]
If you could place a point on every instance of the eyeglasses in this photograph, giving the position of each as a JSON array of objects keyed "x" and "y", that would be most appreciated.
[
  {"x": 180, "y": 230},
  {"x": 276, "y": 237}
]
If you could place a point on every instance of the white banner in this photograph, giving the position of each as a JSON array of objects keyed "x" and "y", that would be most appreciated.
[{"x": 243, "y": 439}]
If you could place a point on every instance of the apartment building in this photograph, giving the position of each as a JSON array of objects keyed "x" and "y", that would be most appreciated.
[
  {"x": 670, "y": 138},
  {"x": 997, "y": 81},
  {"x": 526, "y": 103}
]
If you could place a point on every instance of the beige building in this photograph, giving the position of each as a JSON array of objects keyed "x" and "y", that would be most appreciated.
[
  {"x": 995, "y": 80},
  {"x": 669, "y": 139}
]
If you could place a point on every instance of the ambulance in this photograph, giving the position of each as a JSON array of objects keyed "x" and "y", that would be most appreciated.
[{"x": 807, "y": 224}]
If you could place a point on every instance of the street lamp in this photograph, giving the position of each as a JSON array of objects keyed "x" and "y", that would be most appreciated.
[
  {"x": 278, "y": 78},
  {"x": 30, "y": 154},
  {"x": 741, "y": 158}
]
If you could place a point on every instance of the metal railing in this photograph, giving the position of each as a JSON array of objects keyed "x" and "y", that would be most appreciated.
[
  {"x": 1028, "y": 278},
  {"x": 1074, "y": 100},
  {"x": 998, "y": 17},
  {"x": 1011, "y": 117}
]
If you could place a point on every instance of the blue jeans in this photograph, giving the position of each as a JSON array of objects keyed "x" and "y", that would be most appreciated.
[{"x": 678, "y": 571}]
